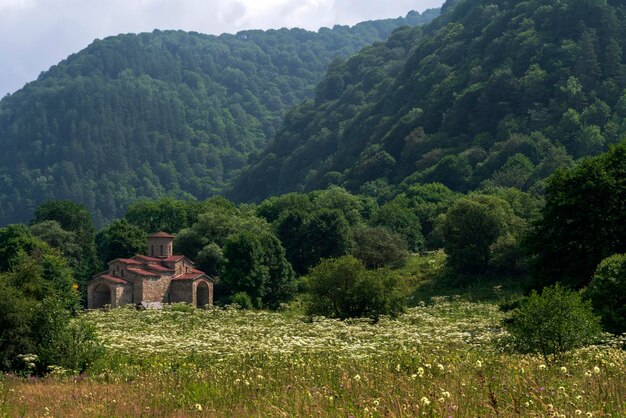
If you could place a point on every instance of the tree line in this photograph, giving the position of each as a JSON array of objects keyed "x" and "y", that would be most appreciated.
[{"x": 338, "y": 253}]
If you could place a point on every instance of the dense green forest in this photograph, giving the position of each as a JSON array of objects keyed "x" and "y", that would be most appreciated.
[
  {"x": 492, "y": 93},
  {"x": 163, "y": 113},
  {"x": 333, "y": 253}
]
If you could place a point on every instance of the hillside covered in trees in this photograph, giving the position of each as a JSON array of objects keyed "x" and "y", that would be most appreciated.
[
  {"x": 162, "y": 113},
  {"x": 492, "y": 93}
]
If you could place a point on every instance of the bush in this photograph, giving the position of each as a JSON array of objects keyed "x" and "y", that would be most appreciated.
[
  {"x": 607, "y": 292},
  {"x": 16, "y": 313},
  {"x": 62, "y": 341},
  {"x": 242, "y": 299},
  {"x": 553, "y": 323},
  {"x": 182, "y": 307},
  {"x": 44, "y": 331},
  {"x": 343, "y": 288}
]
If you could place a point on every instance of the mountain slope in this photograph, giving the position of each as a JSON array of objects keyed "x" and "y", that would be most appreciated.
[
  {"x": 493, "y": 92},
  {"x": 160, "y": 113}
]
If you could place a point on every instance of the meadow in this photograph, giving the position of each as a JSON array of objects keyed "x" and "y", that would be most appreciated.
[{"x": 444, "y": 359}]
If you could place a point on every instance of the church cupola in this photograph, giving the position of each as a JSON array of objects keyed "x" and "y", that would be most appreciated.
[{"x": 160, "y": 244}]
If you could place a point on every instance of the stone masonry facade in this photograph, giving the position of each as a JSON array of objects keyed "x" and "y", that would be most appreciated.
[{"x": 158, "y": 276}]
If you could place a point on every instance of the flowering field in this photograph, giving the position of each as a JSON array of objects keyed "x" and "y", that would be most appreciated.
[{"x": 436, "y": 360}]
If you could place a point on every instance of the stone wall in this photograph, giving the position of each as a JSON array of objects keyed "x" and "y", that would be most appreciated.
[
  {"x": 117, "y": 269},
  {"x": 123, "y": 295},
  {"x": 120, "y": 294},
  {"x": 137, "y": 287},
  {"x": 182, "y": 291},
  {"x": 156, "y": 289},
  {"x": 159, "y": 247}
]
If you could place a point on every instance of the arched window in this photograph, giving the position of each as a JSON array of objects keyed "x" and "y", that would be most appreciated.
[{"x": 162, "y": 249}]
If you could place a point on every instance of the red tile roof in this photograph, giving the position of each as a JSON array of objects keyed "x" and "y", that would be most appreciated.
[
  {"x": 145, "y": 258},
  {"x": 147, "y": 266},
  {"x": 158, "y": 268},
  {"x": 126, "y": 261},
  {"x": 188, "y": 276},
  {"x": 144, "y": 272},
  {"x": 173, "y": 258},
  {"x": 111, "y": 278},
  {"x": 161, "y": 235}
]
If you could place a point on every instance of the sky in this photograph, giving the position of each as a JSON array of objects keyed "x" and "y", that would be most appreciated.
[{"x": 36, "y": 34}]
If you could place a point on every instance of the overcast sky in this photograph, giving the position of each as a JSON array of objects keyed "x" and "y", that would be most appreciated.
[{"x": 36, "y": 34}]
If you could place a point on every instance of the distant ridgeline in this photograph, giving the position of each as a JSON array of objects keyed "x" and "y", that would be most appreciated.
[
  {"x": 162, "y": 113},
  {"x": 492, "y": 93}
]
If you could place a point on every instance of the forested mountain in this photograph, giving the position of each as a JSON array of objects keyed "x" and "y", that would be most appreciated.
[
  {"x": 162, "y": 113},
  {"x": 492, "y": 93}
]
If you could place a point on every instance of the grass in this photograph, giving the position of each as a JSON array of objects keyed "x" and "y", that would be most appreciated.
[
  {"x": 436, "y": 360},
  {"x": 427, "y": 278},
  {"x": 443, "y": 358}
]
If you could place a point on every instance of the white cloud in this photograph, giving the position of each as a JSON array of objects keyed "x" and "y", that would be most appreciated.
[{"x": 35, "y": 34}]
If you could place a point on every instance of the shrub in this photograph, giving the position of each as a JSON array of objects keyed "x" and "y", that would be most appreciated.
[
  {"x": 182, "y": 307},
  {"x": 343, "y": 288},
  {"x": 607, "y": 292},
  {"x": 552, "y": 323},
  {"x": 62, "y": 341},
  {"x": 242, "y": 299},
  {"x": 45, "y": 332},
  {"x": 16, "y": 313}
]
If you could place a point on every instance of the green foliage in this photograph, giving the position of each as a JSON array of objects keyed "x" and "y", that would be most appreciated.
[
  {"x": 343, "y": 288},
  {"x": 55, "y": 236},
  {"x": 167, "y": 113},
  {"x": 211, "y": 259},
  {"x": 15, "y": 240},
  {"x": 165, "y": 214},
  {"x": 61, "y": 341},
  {"x": 35, "y": 319},
  {"x": 120, "y": 240},
  {"x": 16, "y": 313},
  {"x": 404, "y": 221},
  {"x": 583, "y": 220},
  {"x": 257, "y": 266},
  {"x": 73, "y": 218},
  {"x": 216, "y": 221},
  {"x": 242, "y": 300},
  {"x": 43, "y": 275},
  {"x": 472, "y": 229},
  {"x": 607, "y": 292},
  {"x": 490, "y": 94},
  {"x": 378, "y": 247},
  {"x": 553, "y": 323},
  {"x": 34, "y": 268},
  {"x": 310, "y": 236}
]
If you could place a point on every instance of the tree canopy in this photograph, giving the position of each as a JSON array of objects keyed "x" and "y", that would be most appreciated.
[
  {"x": 583, "y": 220},
  {"x": 491, "y": 93},
  {"x": 167, "y": 113}
]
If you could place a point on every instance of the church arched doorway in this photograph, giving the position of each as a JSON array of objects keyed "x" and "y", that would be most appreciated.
[
  {"x": 202, "y": 295},
  {"x": 101, "y": 296}
]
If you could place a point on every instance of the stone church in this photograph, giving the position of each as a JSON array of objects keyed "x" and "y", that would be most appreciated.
[{"x": 159, "y": 277}]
